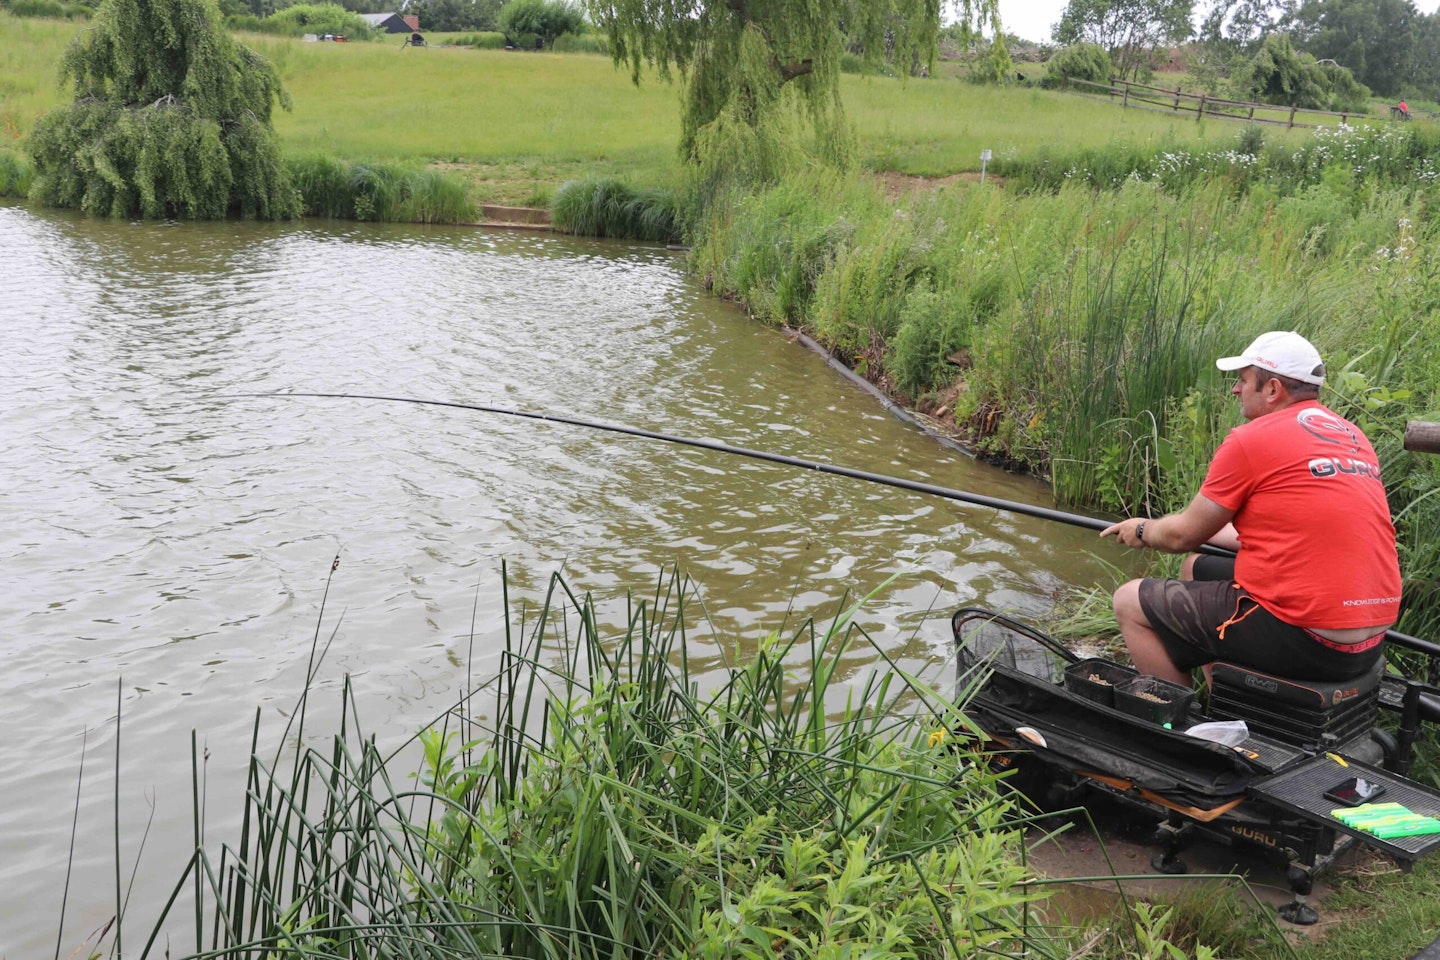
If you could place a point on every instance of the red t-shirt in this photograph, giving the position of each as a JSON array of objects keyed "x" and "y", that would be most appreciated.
[{"x": 1317, "y": 543}]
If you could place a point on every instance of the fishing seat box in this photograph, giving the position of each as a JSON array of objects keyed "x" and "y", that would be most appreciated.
[{"x": 1312, "y": 713}]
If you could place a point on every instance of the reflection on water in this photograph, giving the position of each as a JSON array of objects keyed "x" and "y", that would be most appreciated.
[{"x": 164, "y": 537}]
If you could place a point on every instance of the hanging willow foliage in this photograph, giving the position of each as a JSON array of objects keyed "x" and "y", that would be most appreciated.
[
  {"x": 171, "y": 119},
  {"x": 741, "y": 61}
]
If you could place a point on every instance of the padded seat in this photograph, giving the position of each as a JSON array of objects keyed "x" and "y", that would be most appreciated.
[
  {"x": 1321, "y": 696},
  {"x": 1311, "y": 714}
]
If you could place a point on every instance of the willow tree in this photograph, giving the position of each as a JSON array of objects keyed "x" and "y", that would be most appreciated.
[
  {"x": 743, "y": 61},
  {"x": 171, "y": 118}
]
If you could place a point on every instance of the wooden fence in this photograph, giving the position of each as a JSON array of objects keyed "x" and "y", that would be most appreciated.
[{"x": 1161, "y": 100}]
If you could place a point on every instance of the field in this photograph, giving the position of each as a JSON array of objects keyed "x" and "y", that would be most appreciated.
[{"x": 516, "y": 125}]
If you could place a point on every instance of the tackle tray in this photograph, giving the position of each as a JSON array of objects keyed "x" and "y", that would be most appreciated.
[
  {"x": 1091, "y": 736},
  {"x": 1300, "y": 790},
  {"x": 1297, "y": 725}
]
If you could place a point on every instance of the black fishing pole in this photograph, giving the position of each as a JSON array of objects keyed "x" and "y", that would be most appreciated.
[{"x": 963, "y": 496}]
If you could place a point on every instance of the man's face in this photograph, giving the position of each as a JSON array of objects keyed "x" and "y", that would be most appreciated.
[{"x": 1250, "y": 387}]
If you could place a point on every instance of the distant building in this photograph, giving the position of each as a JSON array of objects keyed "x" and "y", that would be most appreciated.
[{"x": 392, "y": 22}]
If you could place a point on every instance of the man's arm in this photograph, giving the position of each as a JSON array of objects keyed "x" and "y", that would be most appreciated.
[{"x": 1175, "y": 532}]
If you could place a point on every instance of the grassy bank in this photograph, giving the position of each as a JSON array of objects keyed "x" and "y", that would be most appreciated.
[
  {"x": 610, "y": 809},
  {"x": 1072, "y": 331}
]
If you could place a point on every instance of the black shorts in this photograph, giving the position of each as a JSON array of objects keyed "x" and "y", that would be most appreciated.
[{"x": 1201, "y": 621}]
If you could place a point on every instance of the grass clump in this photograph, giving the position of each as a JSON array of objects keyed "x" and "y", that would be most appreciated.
[
  {"x": 483, "y": 40},
  {"x": 608, "y": 807},
  {"x": 379, "y": 191},
  {"x": 606, "y": 207},
  {"x": 16, "y": 174}
]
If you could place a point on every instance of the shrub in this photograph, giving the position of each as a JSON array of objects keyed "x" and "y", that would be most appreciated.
[
  {"x": 1251, "y": 140},
  {"x": 1080, "y": 61},
  {"x": 932, "y": 328},
  {"x": 1279, "y": 74},
  {"x": 533, "y": 24}
]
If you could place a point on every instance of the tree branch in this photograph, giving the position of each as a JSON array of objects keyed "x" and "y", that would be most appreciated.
[{"x": 789, "y": 71}]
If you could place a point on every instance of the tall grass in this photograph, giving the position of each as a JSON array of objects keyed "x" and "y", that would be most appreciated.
[
  {"x": 15, "y": 174},
  {"x": 605, "y": 207},
  {"x": 591, "y": 801},
  {"x": 379, "y": 191}
]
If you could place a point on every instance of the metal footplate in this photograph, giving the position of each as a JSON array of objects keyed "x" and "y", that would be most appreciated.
[{"x": 1301, "y": 790}]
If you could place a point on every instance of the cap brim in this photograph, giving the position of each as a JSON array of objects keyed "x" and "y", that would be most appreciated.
[{"x": 1233, "y": 363}]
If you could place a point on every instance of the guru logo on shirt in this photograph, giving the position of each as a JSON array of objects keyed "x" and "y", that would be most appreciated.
[
  {"x": 1335, "y": 466},
  {"x": 1326, "y": 426}
]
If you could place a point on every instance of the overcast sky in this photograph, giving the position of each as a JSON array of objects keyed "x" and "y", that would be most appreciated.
[{"x": 1032, "y": 19}]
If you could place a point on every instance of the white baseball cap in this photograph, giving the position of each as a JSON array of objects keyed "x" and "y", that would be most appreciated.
[{"x": 1282, "y": 352}]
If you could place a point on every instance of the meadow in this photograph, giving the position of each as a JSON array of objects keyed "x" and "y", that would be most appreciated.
[{"x": 515, "y": 126}]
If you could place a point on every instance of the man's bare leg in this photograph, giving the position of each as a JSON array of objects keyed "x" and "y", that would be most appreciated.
[{"x": 1146, "y": 650}]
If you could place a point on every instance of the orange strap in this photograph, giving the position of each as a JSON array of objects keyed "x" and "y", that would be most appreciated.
[{"x": 1237, "y": 616}]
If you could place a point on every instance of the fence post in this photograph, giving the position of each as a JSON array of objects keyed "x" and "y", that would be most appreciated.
[
  {"x": 1292, "y": 116},
  {"x": 1177, "y": 98},
  {"x": 1126, "y": 102},
  {"x": 1200, "y": 110},
  {"x": 1252, "y": 112}
]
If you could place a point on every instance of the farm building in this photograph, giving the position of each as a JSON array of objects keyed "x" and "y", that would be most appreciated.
[{"x": 392, "y": 22}]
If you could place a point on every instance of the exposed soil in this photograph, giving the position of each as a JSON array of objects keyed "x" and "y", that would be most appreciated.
[
  {"x": 900, "y": 185},
  {"x": 1124, "y": 849}
]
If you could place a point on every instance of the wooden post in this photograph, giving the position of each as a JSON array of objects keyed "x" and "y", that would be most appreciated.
[
  {"x": 1292, "y": 115},
  {"x": 1177, "y": 98},
  {"x": 1252, "y": 111},
  {"x": 1126, "y": 102},
  {"x": 1422, "y": 437},
  {"x": 1200, "y": 110}
]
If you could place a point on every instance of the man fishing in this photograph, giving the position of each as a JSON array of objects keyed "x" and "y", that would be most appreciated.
[{"x": 1296, "y": 491}]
